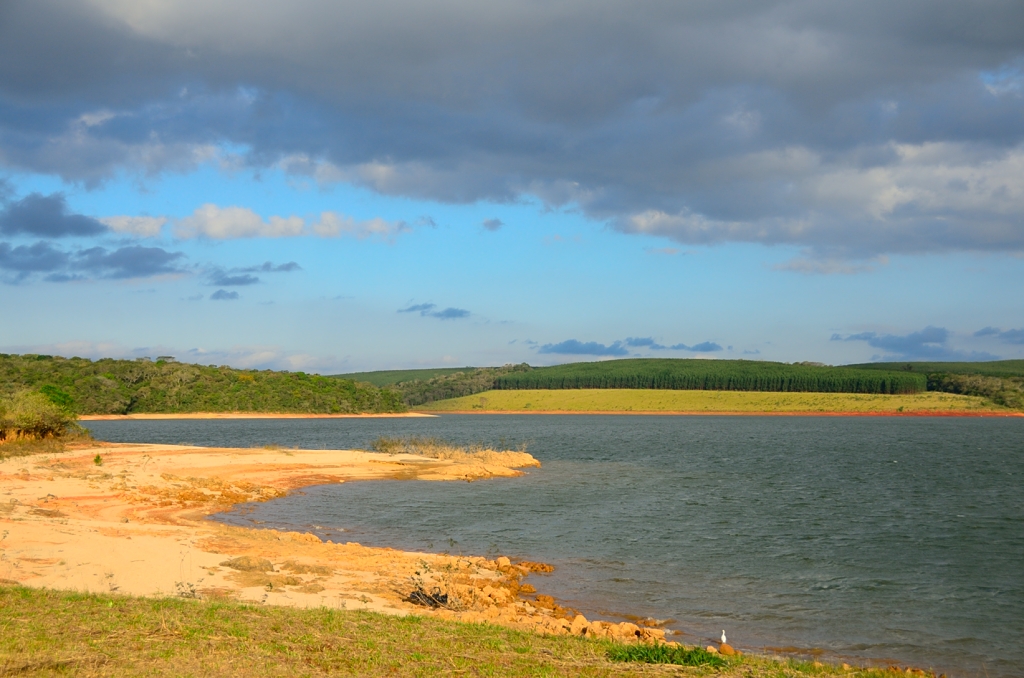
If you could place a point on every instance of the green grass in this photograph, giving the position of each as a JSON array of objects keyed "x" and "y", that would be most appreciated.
[
  {"x": 52, "y": 633},
  {"x": 392, "y": 377},
  {"x": 664, "y": 654},
  {"x": 657, "y": 400}
]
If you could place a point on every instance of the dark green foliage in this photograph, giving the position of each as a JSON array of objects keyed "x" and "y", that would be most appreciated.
[
  {"x": 31, "y": 415},
  {"x": 393, "y": 377},
  {"x": 991, "y": 368},
  {"x": 456, "y": 385},
  {"x": 719, "y": 375},
  {"x": 1008, "y": 392},
  {"x": 664, "y": 654},
  {"x": 110, "y": 386},
  {"x": 1001, "y": 381}
]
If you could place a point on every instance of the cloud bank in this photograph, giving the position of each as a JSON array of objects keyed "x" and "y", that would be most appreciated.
[
  {"x": 931, "y": 343},
  {"x": 619, "y": 349},
  {"x": 850, "y": 130}
]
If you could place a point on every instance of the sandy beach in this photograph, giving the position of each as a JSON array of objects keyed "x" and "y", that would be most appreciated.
[
  {"x": 246, "y": 415},
  {"x": 135, "y": 524}
]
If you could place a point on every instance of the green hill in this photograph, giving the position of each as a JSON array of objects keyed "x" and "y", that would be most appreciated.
[
  {"x": 110, "y": 386},
  {"x": 991, "y": 368},
  {"x": 392, "y": 377}
]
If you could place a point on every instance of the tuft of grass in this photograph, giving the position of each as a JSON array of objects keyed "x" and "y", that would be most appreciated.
[
  {"x": 664, "y": 654},
  {"x": 98, "y": 460},
  {"x": 436, "y": 448}
]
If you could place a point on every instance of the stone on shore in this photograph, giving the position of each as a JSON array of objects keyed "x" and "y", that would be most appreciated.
[{"x": 726, "y": 649}]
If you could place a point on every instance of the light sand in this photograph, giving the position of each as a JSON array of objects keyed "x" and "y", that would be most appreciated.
[
  {"x": 137, "y": 525},
  {"x": 246, "y": 415}
]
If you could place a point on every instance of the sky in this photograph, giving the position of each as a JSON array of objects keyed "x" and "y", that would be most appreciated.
[{"x": 336, "y": 186}]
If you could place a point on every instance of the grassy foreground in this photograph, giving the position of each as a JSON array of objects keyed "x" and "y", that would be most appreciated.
[
  {"x": 44, "y": 633},
  {"x": 657, "y": 400}
]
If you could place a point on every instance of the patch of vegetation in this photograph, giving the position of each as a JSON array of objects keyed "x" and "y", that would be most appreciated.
[
  {"x": 652, "y": 400},
  {"x": 52, "y": 633},
  {"x": 35, "y": 415},
  {"x": 110, "y": 386},
  {"x": 665, "y": 654},
  {"x": 991, "y": 368},
  {"x": 393, "y": 377},
  {"x": 717, "y": 375},
  {"x": 1000, "y": 381},
  {"x": 456, "y": 384},
  {"x": 436, "y": 448},
  {"x": 1008, "y": 392}
]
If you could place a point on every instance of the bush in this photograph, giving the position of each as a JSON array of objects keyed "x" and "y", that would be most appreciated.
[
  {"x": 33, "y": 415},
  {"x": 664, "y": 654}
]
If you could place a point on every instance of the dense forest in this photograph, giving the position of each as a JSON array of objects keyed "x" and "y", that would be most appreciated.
[
  {"x": 718, "y": 375},
  {"x": 110, "y": 386}
]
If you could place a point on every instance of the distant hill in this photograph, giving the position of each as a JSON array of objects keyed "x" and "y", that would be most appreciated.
[
  {"x": 718, "y": 375},
  {"x": 991, "y": 368},
  {"x": 392, "y": 377},
  {"x": 110, "y": 386}
]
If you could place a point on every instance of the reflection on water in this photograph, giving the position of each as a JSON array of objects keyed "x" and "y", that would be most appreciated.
[{"x": 882, "y": 538}]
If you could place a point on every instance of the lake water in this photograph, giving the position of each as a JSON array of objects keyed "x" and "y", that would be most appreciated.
[{"x": 870, "y": 539}]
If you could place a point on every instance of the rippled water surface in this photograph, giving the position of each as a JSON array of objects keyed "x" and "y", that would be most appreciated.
[{"x": 869, "y": 538}]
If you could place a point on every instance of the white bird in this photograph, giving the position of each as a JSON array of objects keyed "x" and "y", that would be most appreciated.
[{"x": 723, "y": 635}]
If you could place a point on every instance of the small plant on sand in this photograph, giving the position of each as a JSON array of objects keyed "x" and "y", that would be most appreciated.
[
  {"x": 186, "y": 589},
  {"x": 434, "y": 589},
  {"x": 664, "y": 654},
  {"x": 98, "y": 460}
]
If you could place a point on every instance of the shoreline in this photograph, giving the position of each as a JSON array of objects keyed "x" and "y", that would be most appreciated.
[
  {"x": 247, "y": 415},
  {"x": 698, "y": 413},
  {"x": 132, "y": 519}
]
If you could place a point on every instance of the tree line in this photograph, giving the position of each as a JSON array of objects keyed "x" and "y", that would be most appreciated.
[{"x": 110, "y": 386}]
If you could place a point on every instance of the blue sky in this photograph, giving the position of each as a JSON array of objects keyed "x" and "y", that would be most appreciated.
[{"x": 349, "y": 186}]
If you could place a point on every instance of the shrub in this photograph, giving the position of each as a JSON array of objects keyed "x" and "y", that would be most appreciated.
[{"x": 33, "y": 415}]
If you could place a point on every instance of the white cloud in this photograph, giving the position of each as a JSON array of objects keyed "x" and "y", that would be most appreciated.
[
  {"x": 895, "y": 198},
  {"x": 224, "y": 223},
  {"x": 240, "y": 357},
  {"x": 332, "y": 225},
  {"x": 146, "y": 227}
]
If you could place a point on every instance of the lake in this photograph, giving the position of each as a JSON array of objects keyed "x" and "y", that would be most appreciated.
[{"x": 863, "y": 538}]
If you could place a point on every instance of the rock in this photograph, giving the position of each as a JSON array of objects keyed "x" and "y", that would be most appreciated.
[
  {"x": 846, "y": 667},
  {"x": 503, "y": 562},
  {"x": 712, "y": 649},
  {"x": 531, "y": 566},
  {"x": 579, "y": 623},
  {"x": 726, "y": 649},
  {"x": 627, "y": 630},
  {"x": 596, "y": 629}
]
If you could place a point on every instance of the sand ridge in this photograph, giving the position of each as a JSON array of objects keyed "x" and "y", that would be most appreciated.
[{"x": 136, "y": 524}]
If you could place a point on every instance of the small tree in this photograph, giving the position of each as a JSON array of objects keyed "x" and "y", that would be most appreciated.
[{"x": 31, "y": 414}]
